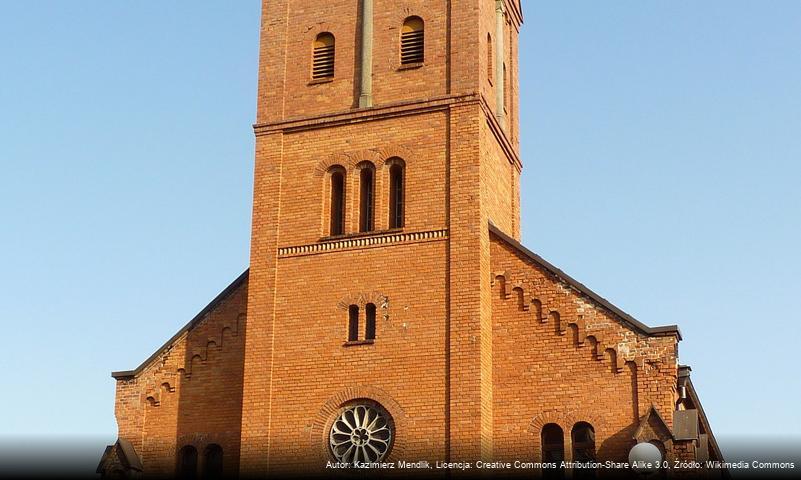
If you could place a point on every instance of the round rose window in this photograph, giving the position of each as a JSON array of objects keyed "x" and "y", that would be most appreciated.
[{"x": 361, "y": 433}]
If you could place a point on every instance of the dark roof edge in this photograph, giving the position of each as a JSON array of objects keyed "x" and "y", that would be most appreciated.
[
  {"x": 702, "y": 415},
  {"x": 517, "y": 11},
  {"x": 662, "y": 331},
  {"x": 219, "y": 298}
]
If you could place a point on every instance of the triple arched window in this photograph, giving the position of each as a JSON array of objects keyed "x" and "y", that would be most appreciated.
[{"x": 393, "y": 186}]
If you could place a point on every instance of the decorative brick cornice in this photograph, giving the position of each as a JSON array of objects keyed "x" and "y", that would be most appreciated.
[{"x": 362, "y": 242}]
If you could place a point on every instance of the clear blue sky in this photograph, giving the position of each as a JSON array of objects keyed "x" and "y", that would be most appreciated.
[{"x": 662, "y": 152}]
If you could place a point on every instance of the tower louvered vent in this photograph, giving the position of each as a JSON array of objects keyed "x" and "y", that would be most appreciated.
[
  {"x": 413, "y": 41},
  {"x": 324, "y": 52}
]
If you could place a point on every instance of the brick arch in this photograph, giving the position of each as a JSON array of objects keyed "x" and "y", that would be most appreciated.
[
  {"x": 318, "y": 437},
  {"x": 362, "y": 299},
  {"x": 389, "y": 152},
  {"x": 312, "y": 31},
  {"x": 339, "y": 159},
  {"x": 350, "y": 160},
  {"x": 373, "y": 156}
]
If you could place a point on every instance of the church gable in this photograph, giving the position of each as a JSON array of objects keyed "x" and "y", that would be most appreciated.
[
  {"x": 171, "y": 396},
  {"x": 564, "y": 331},
  {"x": 554, "y": 297}
]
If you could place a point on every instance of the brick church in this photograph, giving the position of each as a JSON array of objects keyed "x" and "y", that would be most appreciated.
[{"x": 390, "y": 312}]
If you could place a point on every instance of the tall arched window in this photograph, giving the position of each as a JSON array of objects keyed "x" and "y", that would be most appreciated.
[
  {"x": 369, "y": 311},
  {"x": 337, "y": 186},
  {"x": 396, "y": 194},
  {"x": 324, "y": 53},
  {"x": 553, "y": 450},
  {"x": 366, "y": 198},
  {"x": 583, "y": 436},
  {"x": 213, "y": 462},
  {"x": 187, "y": 463},
  {"x": 353, "y": 323},
  {"x": 412, "y": 41}
]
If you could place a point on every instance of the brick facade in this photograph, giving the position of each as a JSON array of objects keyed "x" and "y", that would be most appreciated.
[{"x": 478, "y": 343}]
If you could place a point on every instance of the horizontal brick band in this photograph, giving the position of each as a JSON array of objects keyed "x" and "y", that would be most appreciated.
[{"x": 362, "y": 242}]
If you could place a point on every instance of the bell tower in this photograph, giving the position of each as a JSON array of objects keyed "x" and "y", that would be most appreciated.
[{"x": 387, "y": 142}]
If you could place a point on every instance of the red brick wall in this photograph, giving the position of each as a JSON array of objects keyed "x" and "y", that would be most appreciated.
[
  {"x": 560, "y": 358},
  {"x": 191, "y": 394}
]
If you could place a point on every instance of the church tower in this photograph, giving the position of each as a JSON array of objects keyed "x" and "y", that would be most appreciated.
[
  {"x": 387, "y": 142},
  {"x": 390, "y": 312}
]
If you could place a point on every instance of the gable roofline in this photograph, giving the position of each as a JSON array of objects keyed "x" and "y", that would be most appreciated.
[
  {"x": 127, "y": 453},
  {"x": 663, "y": 331},
  {"x": 684, "y": 372},
  {"x": 189, "y": 326},
  {"x": 652, "y": 412}
]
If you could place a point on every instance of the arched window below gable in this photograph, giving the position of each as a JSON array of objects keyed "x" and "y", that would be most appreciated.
[
  {"x": 553, "y": 450},
  {"x": 187, "y": 463},
  {"x": 213, "y": 462},
  {"x": 583, "y": 439}
]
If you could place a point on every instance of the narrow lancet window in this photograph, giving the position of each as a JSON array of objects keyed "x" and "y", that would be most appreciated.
[
  {"x": 369, "y": 310},
  {"x": 366, "y": 200},
  {"x": 187, "y": 463},
  {"x": 213, "y": 462},
  {"x": 553, "y": 450},
  {"x": 353, "y": 323},
  {"x": 396, "y": 194},
  {"x": 583, "y": 437},
  {"x": 337, "y": 226}
]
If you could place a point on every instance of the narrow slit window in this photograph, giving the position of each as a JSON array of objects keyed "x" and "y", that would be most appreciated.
[
  {"x": 366, "y": 199},
  {"x": 396, "y": 196},
  {"x": 353, "y": 323},
  {"x": 369, "y": 311},
  {"x": 413, "y": 41},
  {"x": 490, "y": 59},
  {"x": 337, "y": 226},
  {"x": 505, "y": 90},
  {"x": 324, "y": 55}
]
